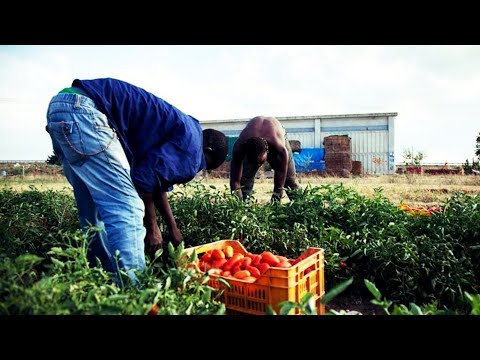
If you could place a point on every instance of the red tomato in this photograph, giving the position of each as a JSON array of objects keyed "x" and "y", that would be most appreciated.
[
  {"x": 204, "y": 266},
  {"x": 256, "y": 260},
  {"x": 263, "y": 267},
  {"x": 207, "y": 257},
  {"x": 214, "y": 271},
  {"x": 226, "y": 273},
  {"x": 270, "y": 258},
  {"x": 217, "y": 254},
  {"x": 232, "y": 261},
  {"x": 283, "y": 264},
  {"x": 228, "y": 251},
  {"x": 219, "y": 263},
  {"x": 255, "y": 272},
  {"x": 241, "y": 274},
  {"x": 153, "y": 310},
  {"x": 246, "y": 261},
  {"x": 236, "y": 268}
]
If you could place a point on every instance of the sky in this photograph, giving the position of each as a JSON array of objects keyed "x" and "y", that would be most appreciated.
[{"x": 435, "y": 89}]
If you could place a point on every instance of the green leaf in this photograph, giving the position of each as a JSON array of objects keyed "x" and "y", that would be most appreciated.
[
  {"x": 158, "y": 253},
  {"x": 415, "y": 309},
  {"x": 373, "y": 289},
  {"x": 171, "y": 250},
  {"x": 336, "y": 290},
  {"x": 58, "y": 262},
  {"x": 224, "y": 282},
  {"x": 168, "y": 283},
  {"x": 189, "y": 309},
  {"x": 305, "y": 298},
  {"x": 286, "y": 307},
  {"x": 269, "y": 311},
  {"x": 206, "y": 295},
  {"x": 475, "y": 302},
  {"x": 358, "y": 251},
  {"x": 193, "y": 256},
  {"x": 310, "y": 307}
]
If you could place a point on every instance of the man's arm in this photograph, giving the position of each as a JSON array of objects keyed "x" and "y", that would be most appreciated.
[
  {"x": 280, "y": 173},
  {"x": 153, "y": 237},
  {"x": 161, "y": 202},
  {"x": 236, "y": 168}
]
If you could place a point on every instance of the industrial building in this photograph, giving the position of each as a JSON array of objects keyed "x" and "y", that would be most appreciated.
[{"x": 372, "y": 136}]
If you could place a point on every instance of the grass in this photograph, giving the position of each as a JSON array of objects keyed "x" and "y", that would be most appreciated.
[{"x": 414, "y": 190}]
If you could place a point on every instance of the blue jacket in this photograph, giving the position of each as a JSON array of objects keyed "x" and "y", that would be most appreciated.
[{"x": 163, "y": 145}]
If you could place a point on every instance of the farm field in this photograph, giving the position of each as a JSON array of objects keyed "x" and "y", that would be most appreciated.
[
  {"x": 428, "y": 259},
  {"x": 414, "y": 190}
]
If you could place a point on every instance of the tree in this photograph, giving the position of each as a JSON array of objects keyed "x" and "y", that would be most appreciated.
[
  {"x": 412, "y": 157},
  {"x": 477, "y": 148},
  {"x": 474, "y": 168},
  {"x": 53, "y": 159},
  {"x": 470, "y": 169}
]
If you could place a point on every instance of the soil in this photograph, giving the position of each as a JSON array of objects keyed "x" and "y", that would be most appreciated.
[{"x": 355, "y": 303}]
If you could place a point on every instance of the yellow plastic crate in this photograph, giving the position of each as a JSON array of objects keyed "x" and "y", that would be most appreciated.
[{"x": 274, "y": 286}]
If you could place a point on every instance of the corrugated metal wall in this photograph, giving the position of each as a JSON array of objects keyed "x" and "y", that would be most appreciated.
[{"x": 372, "y": 135}]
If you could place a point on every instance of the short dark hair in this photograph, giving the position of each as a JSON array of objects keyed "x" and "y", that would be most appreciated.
[
  {"x": 254, "y": 146},
  {"x": 218, "y": 142}
]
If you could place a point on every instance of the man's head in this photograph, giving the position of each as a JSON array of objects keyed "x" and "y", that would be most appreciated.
[
  {"x": 215, "y": 148},
  {"x": 256, "y": 150}
]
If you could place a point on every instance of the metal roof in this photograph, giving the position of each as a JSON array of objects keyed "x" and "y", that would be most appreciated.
[{"x": 309, "y": 117}]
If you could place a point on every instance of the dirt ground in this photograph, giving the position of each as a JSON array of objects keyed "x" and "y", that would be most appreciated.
[{"x": 354, "y": 302}]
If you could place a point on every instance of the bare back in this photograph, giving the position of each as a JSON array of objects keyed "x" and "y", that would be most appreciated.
[{"x": 265, "y": 127}]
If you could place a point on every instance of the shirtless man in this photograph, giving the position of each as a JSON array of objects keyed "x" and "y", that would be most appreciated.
[{"x": 263, "y": 139}]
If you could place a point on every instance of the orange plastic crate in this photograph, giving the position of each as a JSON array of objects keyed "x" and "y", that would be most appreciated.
[{"x": 274, "y": 286}]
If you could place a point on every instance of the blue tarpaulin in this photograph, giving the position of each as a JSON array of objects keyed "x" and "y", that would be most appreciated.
[{"x": 310, "y": 159}]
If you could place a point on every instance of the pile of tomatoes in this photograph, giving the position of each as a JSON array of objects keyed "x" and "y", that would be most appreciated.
[
  {"x": 420, "y": 211},
  {"x": 227, "y": 263}
]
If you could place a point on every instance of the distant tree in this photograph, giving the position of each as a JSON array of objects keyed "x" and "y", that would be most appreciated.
[
  {"x": 477, "y": 148},
  {"x": 53, "y": 159},
  {"x": 475, "y": 166},
  {"x": 471, "y": 168},
  {"x": 412, "y": 157}
]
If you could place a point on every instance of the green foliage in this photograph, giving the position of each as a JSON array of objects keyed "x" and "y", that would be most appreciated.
[
  {"x": 469, "y": 169},
  {"x": 28, "y": 219},
  {"x": 410, "y": 258},
  {"x": 420, "y": 260},
  {"x": 400, "y": 309},
  {"x": 53, "y": 159},
  {"x": 412, "y": 157},
  {"x": 307, "y": 307},
  {"x": 474, "y": 302},
  {"x": 477, "y": 146},
  {"x": 44, "y": 269}
]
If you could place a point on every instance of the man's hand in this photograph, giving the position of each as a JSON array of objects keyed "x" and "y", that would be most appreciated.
[
  {"x": 238, "y": 193},
  {"x": 276, "y": 197},
  {"x": 175, "y": 236},
  {"x": 153, "y": 242}
]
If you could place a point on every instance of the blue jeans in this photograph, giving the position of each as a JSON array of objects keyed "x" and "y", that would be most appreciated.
[{"x": 95, "y": 164}]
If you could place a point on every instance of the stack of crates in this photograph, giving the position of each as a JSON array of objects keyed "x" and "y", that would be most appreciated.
[{"x": 274, "y": 286}]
